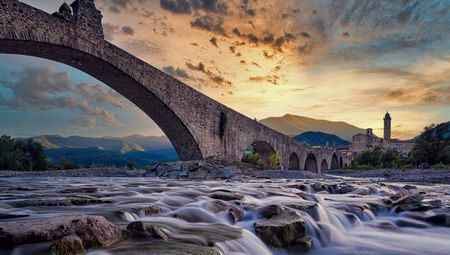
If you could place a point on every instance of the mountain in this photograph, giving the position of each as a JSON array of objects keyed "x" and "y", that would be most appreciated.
[
  {"x": 95, "y": 155},
  {"x": 293, "y": 125},
  {"x": 320, "y": 139},
  {"x": 119, "y": 151},
  {"x": 117, "y": 144}
]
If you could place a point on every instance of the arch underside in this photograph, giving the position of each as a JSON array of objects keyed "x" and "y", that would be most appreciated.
[
  {"x": 263, "y": 149},
  {"x": 311, "y": 163},
  {"x": 294, "y": 163},
  {"x": 334, "y": 162},
  {"x": 178, "y": 133},
  {"x": 324, "y": 166}
]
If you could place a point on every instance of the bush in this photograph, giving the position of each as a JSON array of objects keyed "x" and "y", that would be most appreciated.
[
  {"x": 378, "y": 158},
  {"x": 274, "y": 161},
  {"x": 433, "y": 145},
  {"x": 22, "y": 155},
  {"x": 253, "y": 158},
  {"x": 130, "y": 166}
]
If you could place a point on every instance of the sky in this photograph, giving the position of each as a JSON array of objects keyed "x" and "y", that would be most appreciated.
[{"x": 337, "y": 60}]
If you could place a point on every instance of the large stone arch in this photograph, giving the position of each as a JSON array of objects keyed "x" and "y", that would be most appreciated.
[
  {"x": 334, "y": 162},
  {"x": 197, "y": 126},
  {"x": 311, "y": 163},
  {"x": 102, "y": 61},
  {"x": 323, "y": 166},
  {"x": 294, "y": 163}
]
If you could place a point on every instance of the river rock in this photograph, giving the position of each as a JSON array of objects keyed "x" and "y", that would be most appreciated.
[
  {"x": 69, "y": 245},
  {"x": 94, "y": 231},
  {"x": 440, "y": 217},
  {"x": 227, "y": 196},
  {"x": 236, "y": 214},
  {"x": 81, "y": 190},
  {"x": 406, "y": 197},
  {"x": 155, "y": 247},
  {"x": 150, "y": 210},
  {"x": 284, "y": 230},
  {"x": 269, "y": 211},
  {"x": 138, "y": 229}
]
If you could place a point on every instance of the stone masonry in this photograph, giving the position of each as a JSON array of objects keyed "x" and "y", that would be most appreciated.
[{"x": 193, "y": 122}]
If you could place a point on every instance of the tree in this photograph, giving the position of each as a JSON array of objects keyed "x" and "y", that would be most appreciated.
[
  {"x": 22, "y": 155},
  {"x": 433, "y": 145}
]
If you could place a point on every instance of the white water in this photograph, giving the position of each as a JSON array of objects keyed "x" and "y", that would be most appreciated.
[{"x": 339, "y": 224}]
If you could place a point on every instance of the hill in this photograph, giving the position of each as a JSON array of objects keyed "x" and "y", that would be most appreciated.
[
  {"x": 119, "y": 151},
  {"x": 293, "y": 125},
  {"x": 320, "y": 139}
]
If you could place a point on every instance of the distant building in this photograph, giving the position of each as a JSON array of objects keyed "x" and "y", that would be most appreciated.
[{"x": 362, "y": 142}]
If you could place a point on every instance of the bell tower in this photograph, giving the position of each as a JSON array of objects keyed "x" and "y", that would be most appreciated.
[{"x": 387, "y": 127}]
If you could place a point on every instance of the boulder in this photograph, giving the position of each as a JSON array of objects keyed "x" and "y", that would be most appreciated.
[
  {"x": 227, "y": 196},
  {"x": 94, "y": 231},
  {"x": 236, "y": 214},
  {"x": 406, "y": 197},
  {"x": 440, "y": 219},
  {"x": 150, "y": 210},
  {"x": 284, "y": 230},
  {"x": 69, "y": 245},
  {"x": 138, "y": 229},
  {"x": 271, "y": 210}
]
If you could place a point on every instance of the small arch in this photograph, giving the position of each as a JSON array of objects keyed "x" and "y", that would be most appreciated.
[
  {"x": 259, "y": 153},
  {"x": 341, "y": 163},
  {"x": 324, "y": 166},
  {"x": 311, "y": 163},
  {"x": 294, "y": 162},
  {"x": 334, "y": 162}
]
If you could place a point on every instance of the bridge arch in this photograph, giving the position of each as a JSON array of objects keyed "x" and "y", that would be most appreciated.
[
  {"x": 334, "y": 162},
  {"x": 311, "y": 163},
  {"x": 323, "y": 166},
  {"x": 294, "y": 163},
  {"x": 105, "y": 66},
  {"x": 341, "y": 163}
]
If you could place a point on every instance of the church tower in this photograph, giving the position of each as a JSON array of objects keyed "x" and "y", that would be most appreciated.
[{"x": 387, "y": 127}]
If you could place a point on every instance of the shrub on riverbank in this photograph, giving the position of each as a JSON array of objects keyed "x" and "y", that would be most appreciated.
[
  {"x": 22, "y": 155},
  {"x": 377, "y": 158},
  {"x": 433, "y": 145}
]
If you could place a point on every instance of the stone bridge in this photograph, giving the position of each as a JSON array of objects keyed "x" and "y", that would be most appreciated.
[{"x": 197, "y": 126}]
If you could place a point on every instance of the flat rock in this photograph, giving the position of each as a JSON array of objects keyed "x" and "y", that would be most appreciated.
[
  {"x": 284, "y": 230},
  {"x": 69, "y": 245},
  {"x": 94, "y": 231},
  {"x": 227, "y": 196},
  {"x": 164, "y": 248}
]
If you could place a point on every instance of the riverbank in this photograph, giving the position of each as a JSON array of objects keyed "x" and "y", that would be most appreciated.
[
  {"x": 396, "y": 175},
  {"x": 216, "y": 169}
]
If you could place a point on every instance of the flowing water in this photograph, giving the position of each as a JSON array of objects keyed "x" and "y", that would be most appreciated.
[{"x": 353, "y": 223}]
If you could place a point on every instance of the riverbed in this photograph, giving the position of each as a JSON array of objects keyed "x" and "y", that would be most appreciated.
[{"x": 342, "y": 216}]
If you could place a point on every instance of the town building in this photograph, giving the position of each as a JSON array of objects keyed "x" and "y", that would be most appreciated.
[{"x": 362, "y": 142}]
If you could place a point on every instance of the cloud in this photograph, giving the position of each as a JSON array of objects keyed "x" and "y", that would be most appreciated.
[
  {"x": 43, "y": 89},
  {"x": 213, "y": 41},
  {"x": 210, "y": 23},
  {"x": 187, "y": 6},
  {"x": 266, "y": 78},
  {"x": 217, "y": 78},
  {"x": 110, "y": 30},
  {"x": 127, "y": 30},
  {"x": 177, "y": 72}
]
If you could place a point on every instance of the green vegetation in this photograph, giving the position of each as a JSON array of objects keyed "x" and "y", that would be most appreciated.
[
  {"x": 22, "y": 155},
  {"x": 223, "y": 124},
  {"x": 254, "y": 158},
  {"x": 274, "y": 161},
  {"x": 130, "y": 166},
  {"x": 433, "y": 145},
  {"x": 378, "y": 158},
  {"x": 67, "y": 165}
]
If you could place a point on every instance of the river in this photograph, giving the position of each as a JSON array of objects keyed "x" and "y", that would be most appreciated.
[{"x": 358, "y": 222}]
